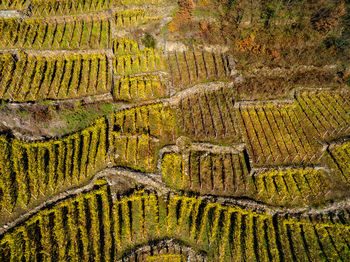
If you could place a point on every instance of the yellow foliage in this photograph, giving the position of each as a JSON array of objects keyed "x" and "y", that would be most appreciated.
[{"x": 166, "y": 258}]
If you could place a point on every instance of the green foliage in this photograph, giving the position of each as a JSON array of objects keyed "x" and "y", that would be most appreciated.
[
  {"x": 149, "y": 41},
  {"x": 24, "y": 114},
  {"x": 81, "y": 116},
  {"x": 108, "y": 108},
  {"x": 78, "y": 119},
  {"x": 339, "y": 43}
]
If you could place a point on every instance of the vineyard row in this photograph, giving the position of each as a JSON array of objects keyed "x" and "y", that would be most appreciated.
[
  {"x": 148, "y": 60},
  {"x": 125, "y": 46},
  {"x": 138, "y": 135},
  {"x": 327, "y": 113},
  {"x": 13, "y": 4},
  {"x": 285, "y": 134},
  {"x": 130, "y": 18},
  {"x": 69, "y": 7},
  {"x": 338, "y": 159},
  {"x": 229, "y": 174},
  {"x": 93, "y": 226},
  {"x": 30, "y": 170},
  {"x": 139, "y": 75},
  {"x": 137, "y": 152},
  {"x": 193, "y": 67},
  {"x": 40, "y": 34},
  {"x": 186, "y": 68},
  {"x": 209, "y": 116},
  {"x": 139, "y": 88},
  {"x": 31, "y": 78},
  {"x": 156, "y": 120}
]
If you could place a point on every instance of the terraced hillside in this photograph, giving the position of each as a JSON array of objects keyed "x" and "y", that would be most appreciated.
[{"x": 154, "y": 130}]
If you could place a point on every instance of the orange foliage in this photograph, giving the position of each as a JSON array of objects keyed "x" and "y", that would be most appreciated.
[
  {"x": 183, "y": 16},
  {"x": 248, "y": 44}
]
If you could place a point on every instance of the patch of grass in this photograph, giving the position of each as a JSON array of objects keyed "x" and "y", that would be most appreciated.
[
  {"x": 174, "y": 11},
  {"x": 23, "y": 113},
  {"x": 165, "y": 29},
  {"x": 81, "y": 117},
  {"x": 44, "y": 102},
  {"x": 78, "y": 119},
  {"x": 108, "y": 108},
  {"x": 3, "y": 105}
]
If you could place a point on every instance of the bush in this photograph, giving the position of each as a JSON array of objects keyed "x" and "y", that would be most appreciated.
[
  {"x": 149, "y": 41},
  {"x": 339, "y": 43}
]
